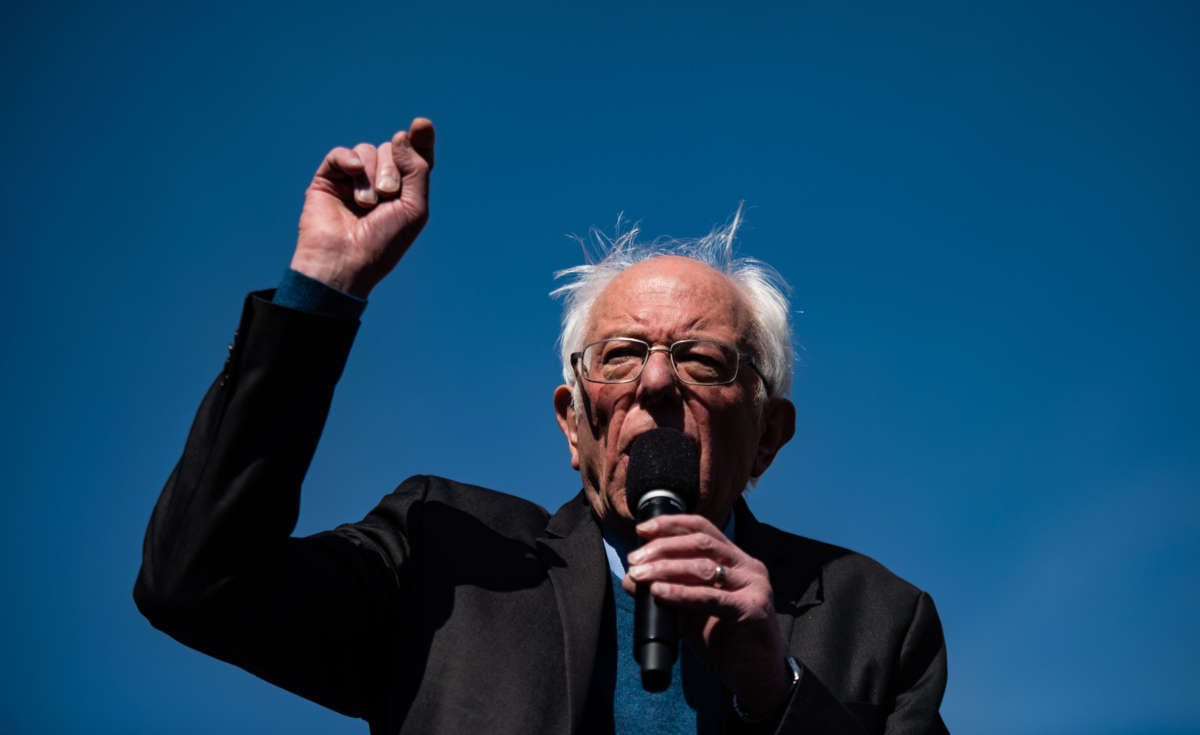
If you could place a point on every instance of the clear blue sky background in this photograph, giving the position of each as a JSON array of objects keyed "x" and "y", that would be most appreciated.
[{"x": 989, "y": 215}]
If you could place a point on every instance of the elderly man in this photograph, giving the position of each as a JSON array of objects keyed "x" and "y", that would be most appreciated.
[{"x": 457, "y": 609}]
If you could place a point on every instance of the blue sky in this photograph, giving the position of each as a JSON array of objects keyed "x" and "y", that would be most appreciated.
[{"x": 988, "y": 214}]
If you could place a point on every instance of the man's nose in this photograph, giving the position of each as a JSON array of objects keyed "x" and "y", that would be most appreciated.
[{"x": 657, "y": 375}]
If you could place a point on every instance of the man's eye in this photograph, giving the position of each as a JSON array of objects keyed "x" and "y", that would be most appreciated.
[
  {"x": 701, "y": 358},
  {"x": 703, "y": 362},
  {"x": 701, "y": 368},
  {"x": 618, "y": 355}
]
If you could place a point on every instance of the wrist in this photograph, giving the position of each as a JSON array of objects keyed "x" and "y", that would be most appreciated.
[
  {"x": 763, "y": 709},
  {"x": 300, "y": 292},
  {"x": 331, "y": 273}
]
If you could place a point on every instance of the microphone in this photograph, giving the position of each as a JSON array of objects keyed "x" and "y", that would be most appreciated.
[{"x": 663, "y": 479}]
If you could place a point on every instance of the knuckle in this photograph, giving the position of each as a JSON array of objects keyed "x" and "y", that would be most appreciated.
[{"x": 753, "y": 605}]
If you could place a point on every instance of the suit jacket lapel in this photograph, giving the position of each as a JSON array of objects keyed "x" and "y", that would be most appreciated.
[
  {"x": 573, "y": 551},
  {"x": 795, "y": 581}
]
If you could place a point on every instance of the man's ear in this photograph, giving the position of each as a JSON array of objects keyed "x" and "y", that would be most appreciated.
[
  {"x": 564, "y": 411},
  {"x": 778, "y": 426}
]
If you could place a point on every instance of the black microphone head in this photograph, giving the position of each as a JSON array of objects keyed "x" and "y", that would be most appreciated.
[{"x": 663, "y": 459}]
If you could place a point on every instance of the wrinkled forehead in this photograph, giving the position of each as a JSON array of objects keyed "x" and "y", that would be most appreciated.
[{"x": 671, "y": 291}]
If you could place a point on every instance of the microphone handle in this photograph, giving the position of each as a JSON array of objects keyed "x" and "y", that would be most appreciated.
[{"x": 655, "y": 635}]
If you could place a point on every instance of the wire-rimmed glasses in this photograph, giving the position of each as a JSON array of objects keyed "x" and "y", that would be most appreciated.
[{"x": 695, "y": 361}]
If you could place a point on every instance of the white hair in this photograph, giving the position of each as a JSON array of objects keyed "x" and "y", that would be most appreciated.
[{"x": 765, "y": 291}]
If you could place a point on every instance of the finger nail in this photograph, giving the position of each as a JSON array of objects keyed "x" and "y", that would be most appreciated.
[
  {"x": 388, "y": 182},
  {"x": 637, "y": 572},
  {"x": 649, "y": 526},
  {"x": 636, "y": 556}
]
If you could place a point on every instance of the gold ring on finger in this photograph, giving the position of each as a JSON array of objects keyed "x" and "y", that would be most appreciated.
[{"x": 719, "y": 577}]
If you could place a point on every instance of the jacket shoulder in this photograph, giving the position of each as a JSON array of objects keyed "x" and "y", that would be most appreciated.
[
  {"x": 817, "y": 571},
  {"x": 422, "y": 499}
]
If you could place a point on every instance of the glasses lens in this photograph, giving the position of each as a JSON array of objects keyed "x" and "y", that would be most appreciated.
[
  {"x": 614, "y": 360},
  {"x": 705, "y": 362}
]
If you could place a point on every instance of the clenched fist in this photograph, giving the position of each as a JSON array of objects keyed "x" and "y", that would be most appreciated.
[{"x": 364, "y": 208}]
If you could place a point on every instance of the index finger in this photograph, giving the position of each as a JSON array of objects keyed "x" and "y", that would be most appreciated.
[
  {"x": 341, "y": 161},
  {"x": 677, "y": 525},
  {"x": 421, "y": 137}
]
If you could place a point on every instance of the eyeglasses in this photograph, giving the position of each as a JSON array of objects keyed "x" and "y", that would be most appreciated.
[{"x": 695, "y": 361}]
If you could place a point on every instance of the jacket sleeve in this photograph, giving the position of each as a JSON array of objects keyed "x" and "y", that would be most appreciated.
[
  {"x": 220, "y": 571},
  {"x": 921, "y": 675}
]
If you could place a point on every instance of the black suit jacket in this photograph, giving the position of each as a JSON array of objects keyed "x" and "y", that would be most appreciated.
[{"x": 453, "y": 608}]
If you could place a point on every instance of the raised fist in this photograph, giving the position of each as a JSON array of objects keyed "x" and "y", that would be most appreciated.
[{"x": 364, "y": 208}]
